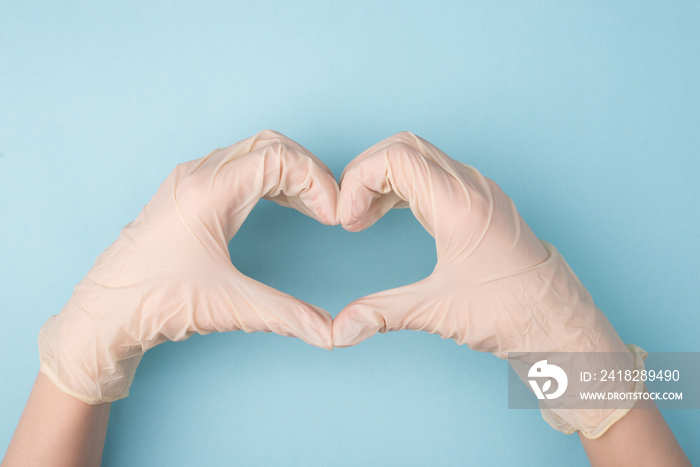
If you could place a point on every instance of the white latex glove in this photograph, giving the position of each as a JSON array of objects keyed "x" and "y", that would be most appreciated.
[
  {"x": 169, "y": 274},
  {"x": 496, "y": 287}
]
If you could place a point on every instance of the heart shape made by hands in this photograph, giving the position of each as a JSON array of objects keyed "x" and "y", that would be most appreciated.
[{"x": 495, "y": 286}]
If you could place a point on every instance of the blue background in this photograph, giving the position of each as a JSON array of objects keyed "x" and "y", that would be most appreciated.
[{"x": 586, "y": 113}]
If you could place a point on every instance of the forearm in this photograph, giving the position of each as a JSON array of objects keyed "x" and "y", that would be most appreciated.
[
  {"x": 641, "y": 437},
  {"x": 56, "y": 429}
]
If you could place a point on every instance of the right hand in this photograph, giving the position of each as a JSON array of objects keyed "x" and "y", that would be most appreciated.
[{"x": 496, "y": 287}]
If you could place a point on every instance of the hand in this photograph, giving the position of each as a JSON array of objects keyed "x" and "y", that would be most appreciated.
[
  {"x": 495, "y": 287},
  {"x": 169, "y": 274}
]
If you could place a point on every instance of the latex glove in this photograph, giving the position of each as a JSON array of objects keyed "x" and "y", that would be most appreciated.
[
  {"x": 496, "y": 287},
  {"x": 169, "y": 274}
]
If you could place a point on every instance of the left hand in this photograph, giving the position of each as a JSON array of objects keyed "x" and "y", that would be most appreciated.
[{"x": 169, "y": 274}]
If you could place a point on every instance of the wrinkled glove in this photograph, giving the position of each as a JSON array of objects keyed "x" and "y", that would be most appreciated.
[
  {"x": 496, "y": 287},
  {"x": 169, "y": 274}
]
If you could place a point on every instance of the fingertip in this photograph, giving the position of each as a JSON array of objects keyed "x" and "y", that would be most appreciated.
[
  {"x": 321, "y": 331},
  {"x": 320, "y": 197},
  {"x": 352, "y": 204},
  {"x": 347, "y": 221},
  {"x": 336, "y": 213},
  {"x": 324, "y": 215},
  {"x": 345, "y": 205},
  {"x": 351, "y": 226},
  {"x": 309, "y": 323},
  {"x": 369, "y": 218},
  {"x": 353, "y": 325}
]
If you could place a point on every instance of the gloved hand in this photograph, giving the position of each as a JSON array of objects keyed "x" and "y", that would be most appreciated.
[
  {"x": 169, "y": 274},
  {"x": 496, "y": 287}
]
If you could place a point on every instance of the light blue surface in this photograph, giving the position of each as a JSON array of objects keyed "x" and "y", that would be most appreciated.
[{"x": 586, "y": 113}]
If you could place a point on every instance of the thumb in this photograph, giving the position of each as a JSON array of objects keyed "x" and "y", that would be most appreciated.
[
  {"x": 409, "y": 307},
  {"x": 242, "y": 303}
]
